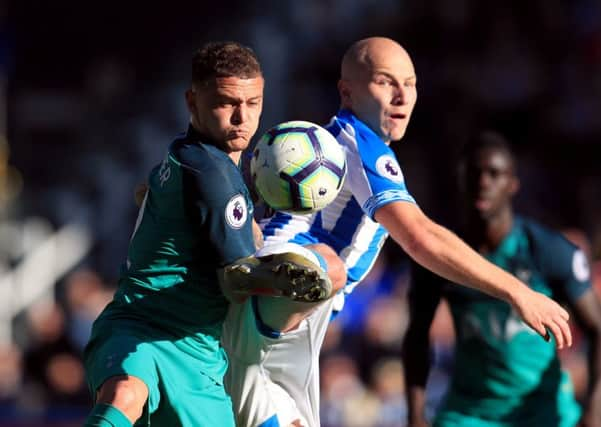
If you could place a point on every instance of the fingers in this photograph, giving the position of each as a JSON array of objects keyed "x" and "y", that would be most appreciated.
[
  {"x": 564, "y": 314},
  {"x": 550, "y": 319},
  {"x": 560, "y": 330},
  {"x": 556, "y": 331},
  {"x": 539, "y": 327},
  {"x": 567, "y": 333}
]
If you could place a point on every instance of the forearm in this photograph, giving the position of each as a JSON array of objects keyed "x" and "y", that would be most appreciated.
[
  {"x": 415, "y": 394},
  {"x": 416, "y": 404},
  {"x": 441, "y": 251},
  {"x": 416, "y": 361}
]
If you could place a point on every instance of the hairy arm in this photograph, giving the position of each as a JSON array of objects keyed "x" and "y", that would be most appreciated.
[{"x": 442, "y": 252}]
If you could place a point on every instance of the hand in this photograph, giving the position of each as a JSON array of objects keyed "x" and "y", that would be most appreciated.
[
  {"x": 140, "y": 193},
  {"x": 543, "y": 315}
]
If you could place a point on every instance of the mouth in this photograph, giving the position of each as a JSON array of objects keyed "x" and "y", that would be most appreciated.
[
  {"x": 398, "y": 116},
  {"x": 237, "y": 134},
  {"x": 482, "y": 203}
]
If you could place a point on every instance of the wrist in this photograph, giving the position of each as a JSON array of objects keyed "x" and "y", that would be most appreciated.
[{"x": 516, "y": 294}]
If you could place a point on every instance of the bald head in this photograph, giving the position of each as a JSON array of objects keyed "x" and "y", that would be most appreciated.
[
  {"x": 368, "y": 53},
  {"x": 377, "y": 83}
]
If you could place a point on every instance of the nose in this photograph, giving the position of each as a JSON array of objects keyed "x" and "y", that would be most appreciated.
[
  {"x": 484, "y": 179},
  {"x": 399, "y": 96},
  {"x": 239, "y": 115}
]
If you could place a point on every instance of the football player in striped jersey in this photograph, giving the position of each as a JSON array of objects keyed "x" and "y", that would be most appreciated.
[{"x": 274, "y": 343}]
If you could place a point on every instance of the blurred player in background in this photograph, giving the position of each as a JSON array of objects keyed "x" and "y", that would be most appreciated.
[
  {"x": 273, "y": 343},
  {"x": 154, "y": 356},
  {"x": 503, "y": 375}
]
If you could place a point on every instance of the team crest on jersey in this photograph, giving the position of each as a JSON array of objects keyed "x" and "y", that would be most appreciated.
[
  {"x": 388, "y": 167},
  {"x": 580, "y": 267},
  {"x": 236, "y": 211}
]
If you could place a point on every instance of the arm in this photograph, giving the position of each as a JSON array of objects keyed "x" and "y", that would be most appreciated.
[
  {"x": 567, "y": 270},
  {"x": 257, "y": 235},
  {"x": 442, "y": 252},
  {"x": 587, "y": 312},
  {"x": 424, "y": 297}
]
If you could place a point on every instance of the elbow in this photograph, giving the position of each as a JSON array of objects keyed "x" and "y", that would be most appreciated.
[
  {"x": 419, "y": 236},
  {"x": 419, "y": 242},
  {"x": 416, "y": 246}
]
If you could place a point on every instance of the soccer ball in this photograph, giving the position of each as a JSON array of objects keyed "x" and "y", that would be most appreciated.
[{"x": 298, "y": 166}]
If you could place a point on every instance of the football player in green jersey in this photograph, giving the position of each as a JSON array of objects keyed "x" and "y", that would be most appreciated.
[
  {"x": 154, "y": 355},
  {"x": 503, "y": 375}
]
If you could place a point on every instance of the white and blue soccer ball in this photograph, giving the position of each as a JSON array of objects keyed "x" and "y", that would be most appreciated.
[{"x": 298, "y": 166}]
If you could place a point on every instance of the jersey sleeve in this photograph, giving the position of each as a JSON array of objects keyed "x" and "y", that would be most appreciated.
[
  {"x": 217, "y": 200},
  {"x": 376, "y": 178},
  {"x": 563, "y": 264}
]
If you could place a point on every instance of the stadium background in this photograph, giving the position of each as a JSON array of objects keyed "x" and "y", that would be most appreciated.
[{"x": 91, "y": 93}]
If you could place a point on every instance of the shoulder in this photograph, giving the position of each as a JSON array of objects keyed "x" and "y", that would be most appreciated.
[
  {"x": 544, "y": 238},
  {"x": 560, "y": 261},
  {"x": 554, "y": 253},
  {"x": 360, "y": 143},
  {"x": 201, "y": 158}
]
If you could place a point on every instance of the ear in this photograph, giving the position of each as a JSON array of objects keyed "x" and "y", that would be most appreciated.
[
  {"x": 191, "y": 100},
  {"x": 345, "y": 93}
]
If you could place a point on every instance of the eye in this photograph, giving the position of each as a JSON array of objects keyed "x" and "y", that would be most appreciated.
[
  {"x": 494, "y": 173},
  {"x": 382, "y": 81}
]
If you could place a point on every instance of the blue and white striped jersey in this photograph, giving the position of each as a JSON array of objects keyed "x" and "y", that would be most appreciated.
[{"x": 374, "y": 179}]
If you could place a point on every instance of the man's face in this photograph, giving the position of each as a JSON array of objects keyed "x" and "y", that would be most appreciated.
[
  {"x": 384, "y": 93},
  {"x": 491, "y": 182},
  {"x": 227, "y": 109}
]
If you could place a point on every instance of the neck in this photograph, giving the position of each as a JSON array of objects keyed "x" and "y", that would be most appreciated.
[
  {"x": 486, "y": 234},
  {"x": 235, "y": 156},
  {"x": 385, "y": 139}
]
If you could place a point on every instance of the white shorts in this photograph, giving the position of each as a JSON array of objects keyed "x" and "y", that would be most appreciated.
[{"x": 273, "y": 380}]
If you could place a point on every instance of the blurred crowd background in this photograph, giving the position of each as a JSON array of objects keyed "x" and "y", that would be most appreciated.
[{"x": 92, "y": 93}]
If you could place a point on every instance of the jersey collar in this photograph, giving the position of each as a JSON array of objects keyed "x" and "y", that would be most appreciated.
[
  {"x": 347, "y": 117},
  {"x": 510, "y": 242},
  {"x": 194, "y": 135}
]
